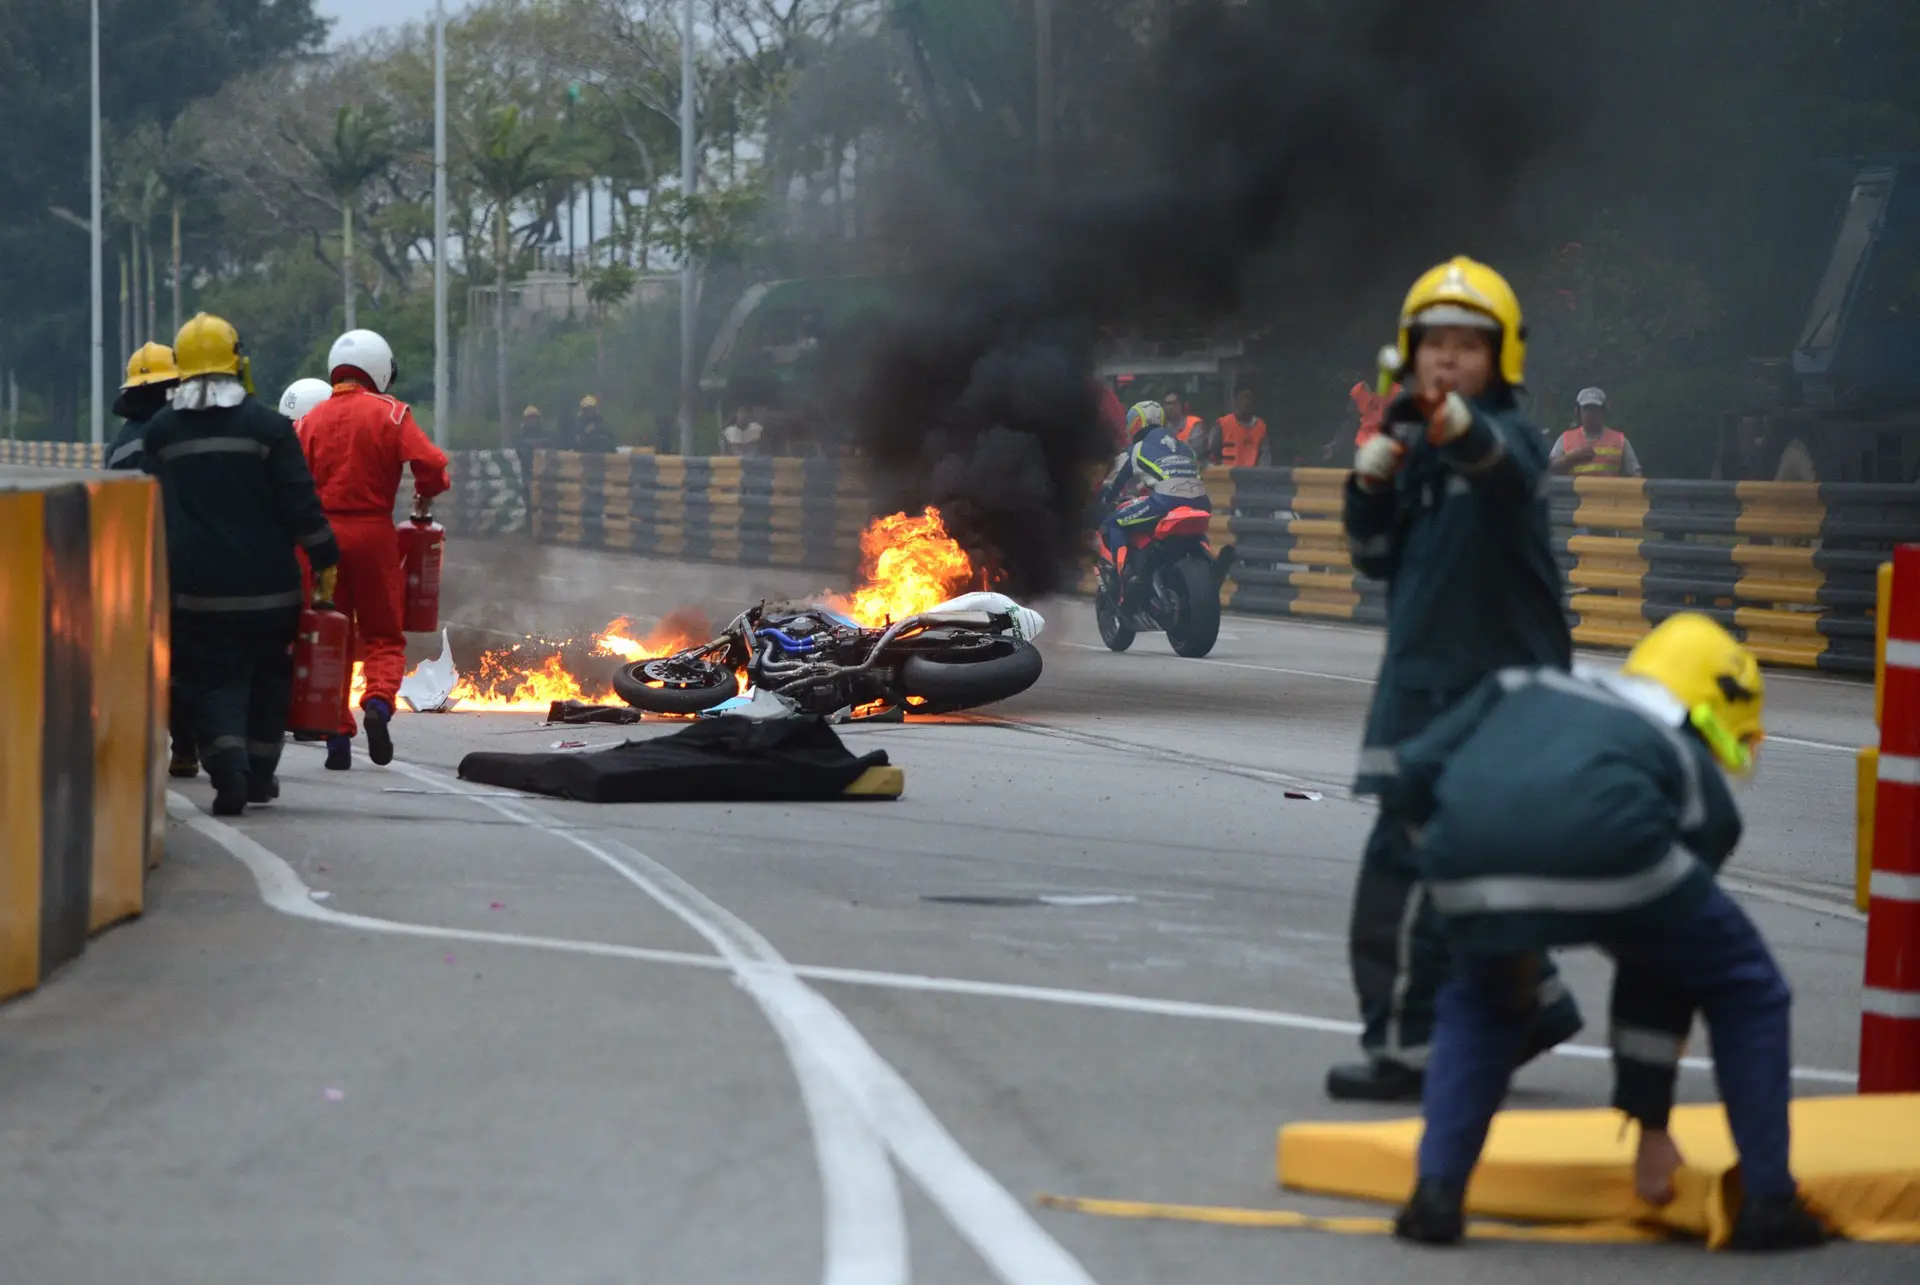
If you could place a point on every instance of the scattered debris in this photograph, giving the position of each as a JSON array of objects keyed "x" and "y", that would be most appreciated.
[
  {"x": 429, "y": 688},
  {"x": 1309, "y": 795},
  {"x": 335, "y": 1095}
]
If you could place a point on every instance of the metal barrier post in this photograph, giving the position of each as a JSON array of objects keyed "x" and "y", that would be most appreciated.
[
  {"x": 1890, "y": 1003},
  {"x": 1866, "y": 761}
]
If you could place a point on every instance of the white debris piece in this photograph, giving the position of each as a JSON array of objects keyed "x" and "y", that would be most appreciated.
[
  {"x": 1027, "y": 622},
  {"x": 429, "y": 688},
  {"x": 754, "y": 703}
]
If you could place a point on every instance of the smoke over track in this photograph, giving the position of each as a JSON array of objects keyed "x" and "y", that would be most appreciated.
[{"x": 1326, "y": 151}]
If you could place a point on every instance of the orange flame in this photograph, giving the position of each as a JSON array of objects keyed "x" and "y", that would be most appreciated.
[{"x": 910, "y": 564}]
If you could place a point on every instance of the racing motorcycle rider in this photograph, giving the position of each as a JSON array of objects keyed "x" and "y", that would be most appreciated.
[
  {"x": 357, "y": 442},
  {"x": 1155, "y": 475}
]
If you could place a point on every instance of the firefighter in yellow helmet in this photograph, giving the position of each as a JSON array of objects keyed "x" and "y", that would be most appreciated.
[
  {"x": 1446, "y": 506},
  {"x": 1592, "y": 808},
  {"x": 239, "y": 500},
  {"x": 151, "y": 378}
]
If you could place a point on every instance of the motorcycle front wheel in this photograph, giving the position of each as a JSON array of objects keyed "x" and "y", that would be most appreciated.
[
  {"x": 675, "y": 685},
  {"x": 1115, "y": 634},
  {"x": 1197, "y": 624}
]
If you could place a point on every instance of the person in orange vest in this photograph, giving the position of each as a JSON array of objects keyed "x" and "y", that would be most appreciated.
[
  {"x": 1182, "y": 424},
  {"x": 1590, "y": 447},
  {"x": 1240, "y": 439},
  {"x": 357, "y": 442}
]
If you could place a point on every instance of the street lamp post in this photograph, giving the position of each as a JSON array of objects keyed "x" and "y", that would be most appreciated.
[
  {"x": 442, "y": 402},
  {"x": 689, "y": 277},
  {"x": 99, "y": 408}
]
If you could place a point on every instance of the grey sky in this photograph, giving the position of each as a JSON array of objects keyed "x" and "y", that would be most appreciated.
[{"x": 358, "y": 17}]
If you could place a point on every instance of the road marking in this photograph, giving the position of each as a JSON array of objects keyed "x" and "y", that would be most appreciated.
[
  {"x": 282, "y": 890},
  {"x": 1239, "y": 664},
  {"x": 865, "y": 1222},
  {"x": 1006, "y": 1236}
]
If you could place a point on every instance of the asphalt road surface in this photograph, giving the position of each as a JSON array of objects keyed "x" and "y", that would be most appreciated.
[{"x": 391, "y": 1029}]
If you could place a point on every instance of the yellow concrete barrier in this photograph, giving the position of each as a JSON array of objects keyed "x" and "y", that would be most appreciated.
[{"x": 83, "y": 668}]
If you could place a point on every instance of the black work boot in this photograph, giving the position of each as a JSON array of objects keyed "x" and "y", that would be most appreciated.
[
  {"x": 339, "y": 754},
  {"x": 1375, "y": 1081},
  {"x": 1775, "y": 1224},
  {"x": 184, "y": 764},
  {"x": 230, "y": 792},
  {"x": 375, "y": 714},
  {"x": 263, "y": 789},
  {"x": 1436, "y": 1215}
]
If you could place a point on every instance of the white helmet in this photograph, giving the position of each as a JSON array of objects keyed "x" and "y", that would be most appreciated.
[
  {"x": 366, "y": 352},
  {"x": 303, "y": 395}
]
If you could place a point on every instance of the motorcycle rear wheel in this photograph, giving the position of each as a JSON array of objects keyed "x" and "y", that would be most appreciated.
[
  {"x": 673, "y": 686},
  {"x": 1190, "y": 581},
  {"x": 980, "y": 676}
]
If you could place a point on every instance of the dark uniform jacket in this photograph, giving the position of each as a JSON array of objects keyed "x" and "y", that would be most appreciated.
[
  {"x": 238, "y": 499},
  {"x": 125, "y": 452},
  {"x": 1464, "y": 542},
  {"x": 1558, "y": 809}
]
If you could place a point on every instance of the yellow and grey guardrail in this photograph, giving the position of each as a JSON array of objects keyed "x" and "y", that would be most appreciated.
[
  {"x": 83, "y": 717},
  {"x": 1788, "y": 567},
  {"x": 755, "y": 512}
]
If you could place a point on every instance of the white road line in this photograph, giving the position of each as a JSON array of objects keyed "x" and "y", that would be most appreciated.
[
  {"x": 282, "y": 890},
  {"x": 1012, "y": 1243},
  {"x": 866, "y": 1238}
]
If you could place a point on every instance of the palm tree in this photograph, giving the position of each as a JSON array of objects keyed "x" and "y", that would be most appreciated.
[
  {"x": 364, "y": 146},
  {"x": 509, "y": 157}
]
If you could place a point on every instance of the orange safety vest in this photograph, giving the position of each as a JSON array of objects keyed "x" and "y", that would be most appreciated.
[
  {"x": 1373, "y": 410},
  {"x": 1186, "y": 430},
  {"x": 1609, "y": 453},
  {"x": 1240, "y": 443}
]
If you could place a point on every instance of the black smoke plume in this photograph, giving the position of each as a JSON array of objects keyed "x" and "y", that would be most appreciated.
[{"x": 1327, "y": 151}]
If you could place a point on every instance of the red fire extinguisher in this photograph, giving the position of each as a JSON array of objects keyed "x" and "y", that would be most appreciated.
[
  {"x": 422, "y": 541},
  {"x": 322, "y": 668}
]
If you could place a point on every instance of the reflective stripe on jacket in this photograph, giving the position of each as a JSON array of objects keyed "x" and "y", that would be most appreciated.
[{"x": 1609, "y": 453}]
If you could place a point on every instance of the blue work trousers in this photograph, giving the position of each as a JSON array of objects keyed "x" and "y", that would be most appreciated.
[{"x": 1716, "y": 958}]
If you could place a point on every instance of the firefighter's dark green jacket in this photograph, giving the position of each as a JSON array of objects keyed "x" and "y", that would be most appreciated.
[
  {"x": 1465, "y": 545},
  {"x": 239, "y": 499},
  {"x": 1561, "y": 809}
]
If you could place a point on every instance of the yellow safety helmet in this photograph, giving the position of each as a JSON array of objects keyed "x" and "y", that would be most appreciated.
[
  {"x": 530, "y": 412},
  {"x": 1714, "y": 676},
  {"x": 1466, "y": 292},
  {"x": 589, "y": 400},
  {"x": 151, "y": 363},
  {"x": 209, "y": 345}
]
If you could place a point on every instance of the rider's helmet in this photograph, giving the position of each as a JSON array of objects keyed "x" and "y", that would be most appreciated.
[
  {"x": 1714, "y": 677},
  {"x": 1143, "y": 416}
]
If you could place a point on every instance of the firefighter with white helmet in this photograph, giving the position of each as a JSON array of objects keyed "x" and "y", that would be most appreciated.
[
  {"x": 1590, "y": 808},
  {"x": 358, "y": 441},
  {"x": 239, "y": 501}
]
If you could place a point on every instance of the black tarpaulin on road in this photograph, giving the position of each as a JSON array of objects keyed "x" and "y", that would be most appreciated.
[{"x": 724, "y": 760}]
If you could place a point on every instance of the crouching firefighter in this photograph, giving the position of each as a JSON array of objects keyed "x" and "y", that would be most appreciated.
[
  {"x": 151, "y": 379},
  {"x": 1591, "y": 808},
  {"x": 238, "y": 501},
  {"x": 1155, "y": 475},
  {"x": 357, "y": 442},
  {"x": 1446, "y": 504}
]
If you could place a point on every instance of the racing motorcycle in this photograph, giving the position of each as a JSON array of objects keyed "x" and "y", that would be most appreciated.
[
  {"x": 1171, "y": 585},
  {"x": 962, "y": 654}
]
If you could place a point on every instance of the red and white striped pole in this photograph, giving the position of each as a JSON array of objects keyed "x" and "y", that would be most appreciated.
[{"x": 1890, "y": 1005}]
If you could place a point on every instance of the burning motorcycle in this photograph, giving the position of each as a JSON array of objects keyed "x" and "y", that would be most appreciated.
[
  {"x": 961, "y": 654},
  {"x": 1170, "y": 584}
]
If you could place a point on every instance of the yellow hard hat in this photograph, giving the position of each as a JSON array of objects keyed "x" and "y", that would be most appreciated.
[
  {"x": 151, "y": 363},
  {"x": 1715, "y": 676},
  {"x": 589, "y": 400},
  {"x": 529, "y": 412},
  {"x": 1463, "y": 291},
  {"x": 208, "y": 345}
]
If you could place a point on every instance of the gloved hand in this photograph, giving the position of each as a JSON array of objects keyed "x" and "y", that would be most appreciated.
[
  {"x": 1447, "y": 414},
  {"x": 323, "y": 586},
  {"x": 422, "y": 509},
  {"x": 1376, "y": 462}
]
